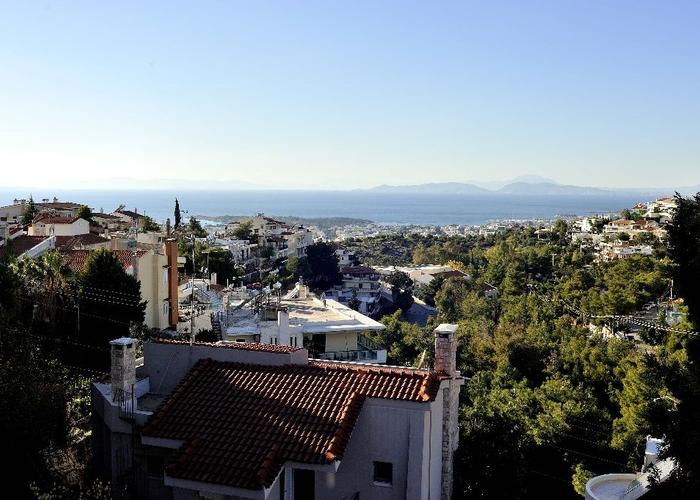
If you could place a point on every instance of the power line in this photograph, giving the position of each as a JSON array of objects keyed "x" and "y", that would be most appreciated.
[
  {"x": 68, "y": 342},
  {"x": 587, "y": 455},
  {"x": 629, "y": 319},
  {"x": 75, "y": 310},
  {"x": 117, "y": 292}
]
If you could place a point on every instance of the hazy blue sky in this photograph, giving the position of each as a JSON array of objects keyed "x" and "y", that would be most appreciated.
[{"x": 332, "y": 94}]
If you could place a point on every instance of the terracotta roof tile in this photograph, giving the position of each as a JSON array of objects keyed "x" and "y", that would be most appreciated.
[
  {"x": 76, "y": 259},
  {"x": 358, "y": 270},
  {"x": 21, "y": 244},
  {"x": 245, "y": 346},
  {"x": 71, "y": 242},
  {"x": 241, "y": 422}
]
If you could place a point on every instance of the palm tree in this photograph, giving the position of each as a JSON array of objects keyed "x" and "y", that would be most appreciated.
[{"x": 48, "y": 282}]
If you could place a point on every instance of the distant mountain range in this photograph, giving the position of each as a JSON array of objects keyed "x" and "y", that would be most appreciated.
[{"x": 527, "y": 186}]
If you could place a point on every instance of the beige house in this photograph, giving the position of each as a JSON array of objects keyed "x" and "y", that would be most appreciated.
[
  {"x": 46, "y": 224},
  {"x": 155, "y": 272}
]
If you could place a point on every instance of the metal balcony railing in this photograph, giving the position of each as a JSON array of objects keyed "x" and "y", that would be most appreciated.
[
  {"x": 126, "y": 400},
  {"x": 357, "y": 355}
]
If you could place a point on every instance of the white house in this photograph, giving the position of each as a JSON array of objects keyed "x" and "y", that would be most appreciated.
[{"x": 329, "y": 329}]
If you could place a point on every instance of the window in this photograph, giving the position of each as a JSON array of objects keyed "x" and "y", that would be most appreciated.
[
  {"x": 304, "y": 487},
  {"x": 383, "y": 473},
  {"x": 155, "y": 466}
]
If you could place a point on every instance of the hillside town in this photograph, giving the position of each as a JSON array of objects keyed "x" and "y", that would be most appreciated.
[{"x": 287, "y": 310}]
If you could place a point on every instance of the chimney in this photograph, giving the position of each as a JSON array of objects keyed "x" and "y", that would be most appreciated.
[
  {"x": 123, "y": 372},
  {"x": 167, "y": 227},
  {"x": 446, "y": 362},
  {"x": 446, "y": 349},
  {"x": 283, "y": 326}
]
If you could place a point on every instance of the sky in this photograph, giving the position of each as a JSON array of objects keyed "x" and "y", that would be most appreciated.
[{"x": 334, "y": 95}]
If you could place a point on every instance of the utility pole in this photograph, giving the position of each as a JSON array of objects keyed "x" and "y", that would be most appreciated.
[
  {"x": 671, "y": 289},
  {"x": 192, "y": 296}
]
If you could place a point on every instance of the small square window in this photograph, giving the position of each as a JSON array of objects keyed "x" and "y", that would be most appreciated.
[{"x": 383, "y": 473}]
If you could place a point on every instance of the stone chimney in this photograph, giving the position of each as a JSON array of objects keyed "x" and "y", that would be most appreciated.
[
  {"x": 446, "y": 362},
  {"x": 123, "y": 372},
  {"x": 446, "y": 349}
]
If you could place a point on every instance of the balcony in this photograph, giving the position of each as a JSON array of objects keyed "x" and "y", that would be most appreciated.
[
  {"x": 367, "y": 352},
  {"x": 361, "y": 356}
]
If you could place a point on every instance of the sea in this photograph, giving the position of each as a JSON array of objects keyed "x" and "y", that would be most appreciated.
[{"x": 378, "y": 207}]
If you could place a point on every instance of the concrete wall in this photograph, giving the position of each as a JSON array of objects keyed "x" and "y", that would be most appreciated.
[
  {"x": 341, "y": 341},
  {"x": 153, "y": 275},
  {"x": 398, "y": 432},
  {"x": 80, "y": 226}
]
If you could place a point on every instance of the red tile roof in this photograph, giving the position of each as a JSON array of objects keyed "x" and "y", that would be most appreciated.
[
  {"x": 80, "y": 240},
  {"x": 76, "y": 259},
  {"x": 51, "y": 218},
  {"x": 21, "y": 244},
  {"x": 359, "y": 270},
  {"x": 241, "y": 422},
  {"x": 102, "y": 215},
  {"x": 453, "y": 273},
  {"x": 129, "y": 213},
  {"x": 246, "y": 346},
  {"x": 59, "y": 205}
]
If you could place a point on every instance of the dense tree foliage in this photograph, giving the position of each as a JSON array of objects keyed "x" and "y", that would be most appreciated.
[
  {"x": 110, "y": 302},
  {"x": 683, "y": 433},
  {"x": 195, "y": 227},
  {"x": 44, "y": 404},
  {"x": 549, "y": 402},
  {"x": 412, "y": 248},
  {"x": 84, "y": 212},
  {"x": 401, "y": 286},
  {"x": 30, "y": 212},
  {"x": 243, "y": 231},
  {"x": 148, "y": 224},
  {"x": 323, "y": 266}
]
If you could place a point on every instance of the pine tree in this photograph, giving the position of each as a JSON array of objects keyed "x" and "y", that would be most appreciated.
[
  {"x": 30, "y": 212},
  {"x": 178, "y": 216}
]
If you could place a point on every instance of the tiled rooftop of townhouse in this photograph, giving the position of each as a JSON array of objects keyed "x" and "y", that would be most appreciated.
[{"x": 267, "y": 415}]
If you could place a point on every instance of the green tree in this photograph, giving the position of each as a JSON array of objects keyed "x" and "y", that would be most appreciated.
[
  {"x": 195, "y": 227},
  {"x": 178, "y": 215},
  {"x": 354, "y": 302},
  {"x": 448, "y": 300},
  {"x": 84, "y": 212},
  {"x": 401, "y": 290},
  {"x": 323, "y": 266},
  {"x": 243, "y": 231},
  {"x": 110, "y": 301},
  {"x": 32, "y": 410},
  {"x": 30, "y": 212},
  {"x": 148, "y": 224},
  {"x": 298, "y": 268},
  {"x": 683, "y": 433},
  {"x": 427, "y": 292}
]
